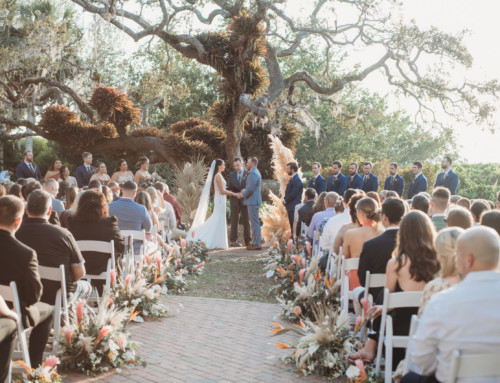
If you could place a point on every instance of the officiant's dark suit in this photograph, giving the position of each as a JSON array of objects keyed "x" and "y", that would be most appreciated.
[
  {"x": 236, "y": 183},
  {"x": 24, "y": 171}
]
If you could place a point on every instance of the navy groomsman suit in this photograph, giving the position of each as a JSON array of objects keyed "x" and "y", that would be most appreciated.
[
  {"x": 32, "y": 170},
  {"x": 354, "y": 182},
  {"x": 370, "y": 183},
  {"x": 448, "y": 180},
  {"x": 337, "y": 184},
  {"x": 417, "y": 186},
  {"x": 318, "y": 184},
  {"x": 83, "y": 174},
  {"x": 397, "y": 184},
  {"x": 293, "y": 196}
]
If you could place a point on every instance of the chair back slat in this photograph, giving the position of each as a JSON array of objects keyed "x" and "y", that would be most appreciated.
[
  {"x": 97, "y": 246},
  {"x": 139, "y": 235},
  {"x": 404, "y": 299},
  {"x": 50, "y": 273},
  {"x": 474, "y": 366}
]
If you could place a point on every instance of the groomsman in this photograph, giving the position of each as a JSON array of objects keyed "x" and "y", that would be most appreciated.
[
  {"x": 370, "y": 180},
  {"x": 338, "y": 182},
  {"x": 354, "y": 181},
  {"x": 293, "y": 193},
  {"x": 447, "y": 178},
  {"x": 85, "y": 170},
  {"x": 317, "y": 183},
  {"x": 394, "y": 182},
  {"x": 28, "y": 169},
  {"x": 236, "y": 183},
  {"x": 419, "y": 184}
]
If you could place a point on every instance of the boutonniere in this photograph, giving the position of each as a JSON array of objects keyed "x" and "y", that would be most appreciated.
[
  {"x": 367, "y": 178},
  {"x": 394, "y": 181},
  {"x": 246, "y": 175},
  {"x": 446, "y": 175}
]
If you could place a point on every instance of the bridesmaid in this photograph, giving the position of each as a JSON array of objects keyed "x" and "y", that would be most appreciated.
[
  {"x": 142, "y": 174},
  {"x": 53, "y": 171},
  {"x": 122, "y": 174},
  {"x": 101, "y": 175}
]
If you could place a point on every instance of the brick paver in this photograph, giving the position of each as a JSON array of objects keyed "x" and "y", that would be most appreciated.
[{"x": 209, "y": 340}]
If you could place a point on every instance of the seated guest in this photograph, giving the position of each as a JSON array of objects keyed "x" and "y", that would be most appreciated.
[
  {"x": 15, "y": 190},
  {"x": 115, "y": 188},
  {"x": 378, "y": 251},
  {"x": 463, "y": 317},
  {"x": 121, "y": 173},
  {"x": 8, "y": 332},
  {"x": 419, "y": 183},
  {"x": 3, "y": 191},
  {"x": 95, "y": 184},
  {"x": 71, "y": 194},
  {"x": 414, "y": 263},
  {"x": 171, "y": 200},
  {"x": 52, "y": 187},
  {"x": 374, "y": 196},
  {"x": 163, "y": 210},
  {"x": 64, "y": 176},
  {"x": 27, "y": 168},
  {"x": 317, "y": 183},
  {"x": 6, "y": 174},
  {"x": 337, "y": 182},
  {"x": 368, "y": 215},
  {"x": 460, "y": 217},
  {"x": 382, "y": 195},
  {"x": 464, "y": 202},
  {"x": 101, "y": 174},
  {"x": 61, "y": 194},
  {"x": 90, "y": 221},
  {"x": 306, "y": 208},
  {"x": 143, "y": 198},
  {"x": 329, "y": 202},
  {"x": 339, "y": 239},
  {"x": 478, "y": 207},
  {"x": 54, "y": 170},
  {"x": 370, "y": 180},
  {"x": 19, "y": 263},
  {"x": 420, "y": 202},
  {"x": 36, "y": 185},
  {"x": 491, "y": 219},
  {"x": 54, "y": 246},
  {"x": 391, "y": 194},
  {"x": 296, "y": 229},
  {"x": 394, "y": 182},
  {"x": 319, "y": 205},
  {"x": 108, "y": 193},
  {"x": 454, "y": 199},
  {"x": 440, "y": 201}
]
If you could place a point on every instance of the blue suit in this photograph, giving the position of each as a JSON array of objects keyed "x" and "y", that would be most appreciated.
[
  {"x": 371, "y": 183},
  {"x": 83, "y": 176},
  {"x": 131, "y": 215},
  {"x": 318, "y": 184},
  {"x": 23, "y": 171},
  {"x": 450, "y": 181},
  {"x": 398, "y": 185},
  {"x": 252, "y": 199},
  {"x": 293, "y": 196},
  {"x": 354, "y": 182},
  {"x": 417, "y": 186},
  {"x": 339, "y": 186}
]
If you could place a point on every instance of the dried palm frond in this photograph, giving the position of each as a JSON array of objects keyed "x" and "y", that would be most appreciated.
[{"x": 281, "y": 156}]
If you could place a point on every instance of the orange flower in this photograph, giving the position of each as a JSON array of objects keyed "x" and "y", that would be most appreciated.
[
  {"x": 283, "y": 345},
  {"x": 292, "y": 277},
  {"x": 279, "y": 329},
  {"x": 297, "y": 310},
  {"x": 161, "y": 279},
  {"x": 133, "y": 315},
  {"x": 26, "y": 367},
  {"x": 362, "y": 371},
  {"x": 282, "y": 272}
]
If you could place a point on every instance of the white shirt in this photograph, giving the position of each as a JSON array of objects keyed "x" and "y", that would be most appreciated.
[
  {"x": 417, "y": 175},
  {"x": 331, "y": 229},
  {"x": 296, "y": 212},
  {"x": 465, "y": 317}
]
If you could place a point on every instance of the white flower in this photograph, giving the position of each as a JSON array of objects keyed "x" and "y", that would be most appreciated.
[
  {"x": 352, "y": 372},
  {"x": 121, "y": 341},
  {"x": 150, "y": 294},
  {"x": 85, "y": 342}
]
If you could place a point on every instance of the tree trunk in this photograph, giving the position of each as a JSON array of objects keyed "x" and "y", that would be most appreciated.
[
  {"x": 234, "y": 132},
  {"x": 30, "y": 116}
]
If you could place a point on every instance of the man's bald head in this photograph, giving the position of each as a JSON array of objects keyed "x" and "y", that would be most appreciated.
[{"x": 478, "y": 249}]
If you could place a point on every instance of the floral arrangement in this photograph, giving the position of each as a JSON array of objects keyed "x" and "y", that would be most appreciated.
[
  {"x": 150, "y": 181},
  {"x": 96, "y": 342},
  {"x": 45, "y": 373}
]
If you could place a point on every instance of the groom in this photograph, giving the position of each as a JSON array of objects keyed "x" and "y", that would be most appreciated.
[{"x": 252, "y": 199}]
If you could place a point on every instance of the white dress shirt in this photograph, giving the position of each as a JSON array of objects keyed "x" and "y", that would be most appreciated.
[
  {"x": 465, "y": 317},
  {"x": 332, "y": 228}
]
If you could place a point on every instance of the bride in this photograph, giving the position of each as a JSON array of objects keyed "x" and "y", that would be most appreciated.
[{"x": 212, "y": 231}]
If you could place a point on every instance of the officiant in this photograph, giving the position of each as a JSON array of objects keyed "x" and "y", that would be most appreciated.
[{"x": 239, "y": 213}]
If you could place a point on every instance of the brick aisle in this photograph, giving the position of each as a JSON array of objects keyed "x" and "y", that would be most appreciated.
[{"x": 209, "y": 340}]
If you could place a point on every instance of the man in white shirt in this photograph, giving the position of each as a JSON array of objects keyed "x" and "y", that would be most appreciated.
[
  {"x": 52, "y": 187},
  {"x": 463, "y": 318}
]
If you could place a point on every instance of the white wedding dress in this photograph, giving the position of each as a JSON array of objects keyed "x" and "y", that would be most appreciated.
[{"x": 213, "y": 231}]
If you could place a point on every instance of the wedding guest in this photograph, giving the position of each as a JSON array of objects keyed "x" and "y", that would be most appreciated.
[
  {"x": 447, "y": 178},
  {"x": 19, "y": 263},
  {"x": 419, "y": 183},
  {"x": 54, "y": 246},
  {"x": 392, "y": 194},
  {"x": 101, "y": 174},
  {"x": 144, "y": 199},
  {"x": 420, "y": 202},
  {"x": 464, "y": 202},
  {"x": 478, "y": 207},
  {"x": 339, "y": 239},
  {"x": 6, "y": 174},
  {"x": 337, "y": 182},
  {"x": 61, "y": 194},
  {"x": 382, "y": 195},
  {"x": 15, "y": 190},
  {"x": 368, "y": 216},
  {"x": 440, "y": 202},
  {"x": 239, "y": 213},
  {"x": 447, "y": 324},
  {"x": 23, "y": 181},
  {"x": 91, "y": 221},
  {"x": 85, "y": 171},
  {"x": 296, "y": 229},
  {"x": 3, "y": 191},
  {"x": 28, "y": 169},
  {"x": 95, "y": 184},
  {"x": 115, "y": 188},
  {"x": 163, "y": 188},
  {"x": 8, "y": 332},
  {"x": 374, "y": 196},
  {"x": 142, "y": 176},
  {"x": 52, "y": 187},
  {"x": 64, "y": 176},
  {"x": 294, "y": 190},
  {"x": 122, "y": 173},
  {"x": 26, "y": 191},
  {"x": 54, "y": 170},
  {"x": 454, "y": 199},
  {"x": 303, "y": 212},
  {"x": 370, "y": 180},
  {"x": 491, "y": 219},
  {"x": 394, "y": 182},
  {"x": 318, "y": 183},
  {"x": 413, "y": 265},
  {"x": 319, "y": 205},
  {"x": 71, "y": 194},
  {"x": 460, "y": 217},
  {"x": 378, "y": 251},
  {"x": 108, "y": 193},
  {"x": 329, "y": 202},
  {"x": 354, "y": 181}
]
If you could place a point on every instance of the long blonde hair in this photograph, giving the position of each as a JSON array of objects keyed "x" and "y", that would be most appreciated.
[{"x": 446, "y": 244}]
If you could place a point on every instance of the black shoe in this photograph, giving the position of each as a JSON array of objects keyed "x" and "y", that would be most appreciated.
[{"x": 235, "y": 244}]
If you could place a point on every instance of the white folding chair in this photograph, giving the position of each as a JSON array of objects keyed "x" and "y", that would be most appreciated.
[
  {"x": 57, "y": 274},
  {"x": 474, "y": 366},
  {"x": 413, "y": 328},
  {"x": 393, "y": 301},
  {"x": 331, "y": 265},
  {"x": 346, "y": 295},
  {"x": 373, "y": 281},
  {"x": 163, "y": 232},
  {"x": 9, "y": 294},
  {"x": 100, "y": 247},
  {"x": 303, "y": 229}
]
